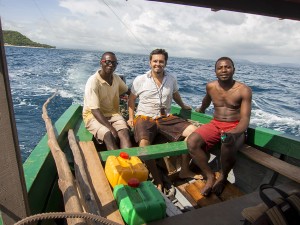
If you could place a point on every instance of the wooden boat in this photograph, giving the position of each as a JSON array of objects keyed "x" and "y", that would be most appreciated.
[
  {"x": 41, "y": 174},
  {"x": 268, "y": 156}
]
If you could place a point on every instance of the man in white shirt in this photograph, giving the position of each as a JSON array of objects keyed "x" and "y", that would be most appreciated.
[{"x": 155, "y": 90}]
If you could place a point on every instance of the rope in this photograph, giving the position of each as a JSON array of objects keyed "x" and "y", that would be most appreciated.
[{"x": 64, "y": 215}]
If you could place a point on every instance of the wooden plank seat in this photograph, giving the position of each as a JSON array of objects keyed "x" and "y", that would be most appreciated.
[
  {"x": 225, "y": 213},
  {"x": 282, "y": 167},
  {"x": 176, "y": 148}
]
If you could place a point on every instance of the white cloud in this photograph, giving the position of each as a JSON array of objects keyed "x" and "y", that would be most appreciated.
[
  {"x": 86, "y": 8},
  {"x": 137, "y": 26}
]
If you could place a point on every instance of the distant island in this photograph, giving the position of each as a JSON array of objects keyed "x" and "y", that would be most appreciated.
[{"x": 17, "y": 39}]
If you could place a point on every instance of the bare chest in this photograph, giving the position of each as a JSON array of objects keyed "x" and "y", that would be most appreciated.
[{"x": 229, "y": 99}]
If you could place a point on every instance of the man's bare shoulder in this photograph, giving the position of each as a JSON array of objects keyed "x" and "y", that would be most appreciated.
[
  {"x": 244, "y": 89},
  {"x": 212, "y": 84},
  {"x": 242, "y": 85}
]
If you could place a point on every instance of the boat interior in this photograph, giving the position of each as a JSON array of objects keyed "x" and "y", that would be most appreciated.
[{"x": 272, "y": 159}]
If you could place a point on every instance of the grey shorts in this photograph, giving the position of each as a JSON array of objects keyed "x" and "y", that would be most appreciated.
[{"x": 98, "y": 130}]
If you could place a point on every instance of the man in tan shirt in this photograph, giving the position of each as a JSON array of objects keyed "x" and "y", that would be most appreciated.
[{"x": 101, "y": 113}]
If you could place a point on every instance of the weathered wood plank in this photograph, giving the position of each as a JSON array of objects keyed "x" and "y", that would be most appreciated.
[
  {"x": 103, "y": 193},
  {"x": 194, "y": 190},
  {"x": 181, "y": 188},
  {"x": 65, "y": 176},
  {"x": 85, "y": 189},
  {"x": 39, "y": 168},
  {"x": 271, "y": 162}
]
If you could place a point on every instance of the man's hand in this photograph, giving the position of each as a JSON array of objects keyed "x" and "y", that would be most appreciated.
[
  {"x": 227, "y": 138},
  {"x": 115, "y": 134},
  {"x": 197, "y": 109},
  {"x": 187, "y": 107},
  {"x": 130, "y": 122},
  {"x": 200, "y": 110},
  {"x": 230, "y": 137}
]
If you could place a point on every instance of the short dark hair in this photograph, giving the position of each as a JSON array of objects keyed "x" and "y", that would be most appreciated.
[
  {"x": 224, "y": 58},
  {"x": 105, "y": 53},
  {"x": 159, "y": 51}
]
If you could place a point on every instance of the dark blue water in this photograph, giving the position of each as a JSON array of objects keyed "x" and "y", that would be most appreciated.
[{"x": 35, "y": 74}]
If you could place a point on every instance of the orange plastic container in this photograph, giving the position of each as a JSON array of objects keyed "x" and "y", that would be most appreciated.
[{"x": 120, "y": 169}]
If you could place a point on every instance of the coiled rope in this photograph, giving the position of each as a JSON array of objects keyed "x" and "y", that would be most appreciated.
[{"x": 65, "y": 215}]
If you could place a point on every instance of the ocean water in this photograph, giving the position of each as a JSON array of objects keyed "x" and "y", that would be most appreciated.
[{"x": 35, "y": 74}]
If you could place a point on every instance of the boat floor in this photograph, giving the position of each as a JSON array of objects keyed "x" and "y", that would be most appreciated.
[
  {"x": 212, "y": 210},
  {"x": 225, "y": 213}
]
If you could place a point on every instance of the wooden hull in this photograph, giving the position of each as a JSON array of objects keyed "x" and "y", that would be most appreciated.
[{"x": 41, "y": 175}]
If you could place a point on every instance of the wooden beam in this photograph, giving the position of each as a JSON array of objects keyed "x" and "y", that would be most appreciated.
[
  {"x": 103, "y": 193},
  {"x": 284, "y": 168},
  {"x": 65, "y": 177},
  {"x": 13, "y": 196},
  {"x": 273, "y": 8},
  {"x": 87, "y": 195}
]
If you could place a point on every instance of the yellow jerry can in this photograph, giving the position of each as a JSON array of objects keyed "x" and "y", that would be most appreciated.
[{"x": 119, "y": 169}]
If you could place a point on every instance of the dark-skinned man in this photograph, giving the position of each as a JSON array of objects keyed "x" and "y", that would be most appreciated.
[
  {"x": 232, "y": 111},
  {"x": 101, "y": 113}
]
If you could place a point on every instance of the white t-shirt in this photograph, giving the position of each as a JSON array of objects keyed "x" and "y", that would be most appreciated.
[{"x": 151, "y": 97}]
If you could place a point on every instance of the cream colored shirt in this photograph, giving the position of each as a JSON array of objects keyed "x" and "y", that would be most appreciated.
[
  {"x": 151, "y": 97},
  {"x": 100, "y": 95}
]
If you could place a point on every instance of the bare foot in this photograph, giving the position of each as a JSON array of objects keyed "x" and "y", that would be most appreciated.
[
  {"x": 219, "y": 185},
  {"x": 190, "y": 175},
  {"x": 160, "y": 187},
  {"x": 208, "y": 186}
]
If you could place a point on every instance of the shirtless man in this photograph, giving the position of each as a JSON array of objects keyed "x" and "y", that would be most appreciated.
[{"x": 232, "y": 111}]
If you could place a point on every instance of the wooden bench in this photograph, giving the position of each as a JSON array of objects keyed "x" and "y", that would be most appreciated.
[
  {"x": 282, "y": 167},
  {"x": 176, "y": 148}
]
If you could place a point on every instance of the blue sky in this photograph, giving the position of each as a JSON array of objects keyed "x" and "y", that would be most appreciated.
[{"x": 138, "y": 26}]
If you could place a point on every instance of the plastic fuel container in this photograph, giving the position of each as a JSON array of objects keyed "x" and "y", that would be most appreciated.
[
  {"x": 141, "y": 203},
  {"x": 120, "y": 169}
]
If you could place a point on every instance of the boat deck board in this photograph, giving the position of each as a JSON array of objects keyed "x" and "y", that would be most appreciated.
[
  {"x": 229, "y": 212},
  {"x": 104, "y": 195},
  {"x": 230, "y": 192}
]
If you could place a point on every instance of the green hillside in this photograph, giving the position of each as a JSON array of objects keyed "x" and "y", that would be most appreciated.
[{"x": 18, "y": 39}]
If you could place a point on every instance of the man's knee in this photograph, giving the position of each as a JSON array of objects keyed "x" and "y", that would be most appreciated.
[
  {"x": 124, "y": 133},
  {"x": 189, "y": 130},
  {"x": 108, "y": 136},
  {"x": 144, "y": 142},
  {"x": 194, "y": 141}
]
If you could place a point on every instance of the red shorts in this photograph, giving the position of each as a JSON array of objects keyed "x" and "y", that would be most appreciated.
[{"x": 211, "y": 132}]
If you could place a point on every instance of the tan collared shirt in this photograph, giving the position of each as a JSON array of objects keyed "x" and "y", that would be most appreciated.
[{"x": 100, "y": 95}]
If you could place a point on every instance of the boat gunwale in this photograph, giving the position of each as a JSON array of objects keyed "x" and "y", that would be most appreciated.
[{"x": 40, "y": 162}]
